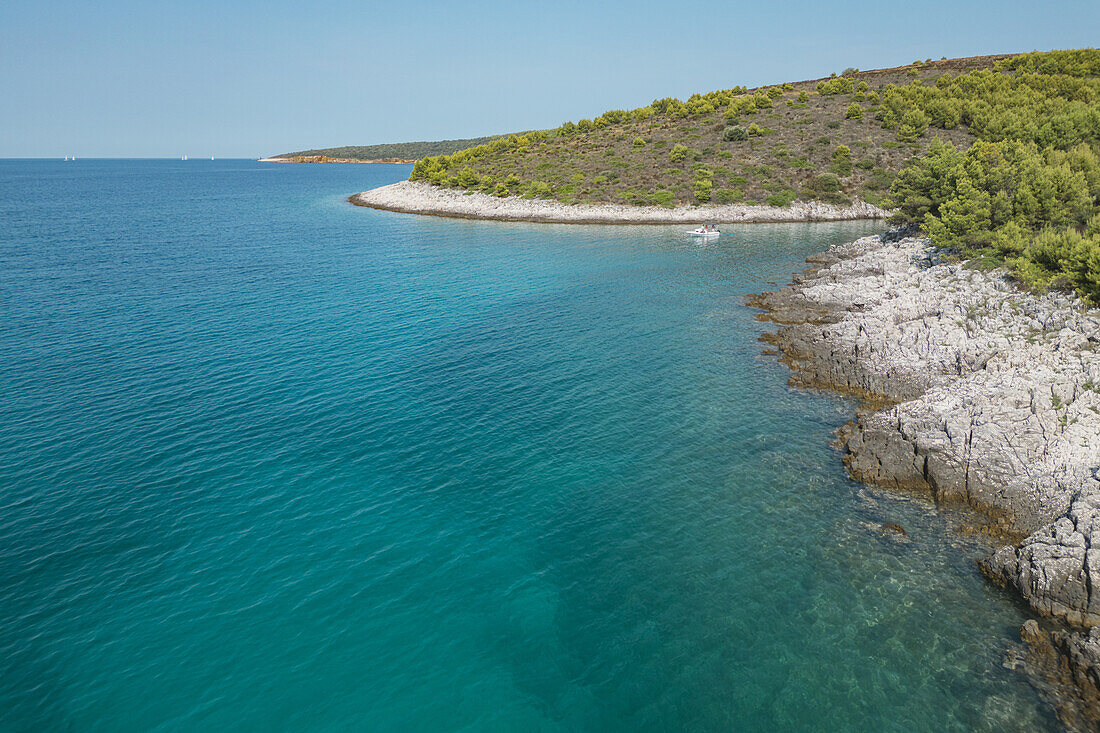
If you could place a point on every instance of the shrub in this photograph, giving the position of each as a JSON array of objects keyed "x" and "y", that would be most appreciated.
[
  {"x": 1062, "y": 258},
  {"x": 803, "y": 96},
  {"x": 833, "y": 124},
  {"x": 679, "y": 153},
  {"x": 668, "y": 105},
  {"x": 826, "y": 183},
  {"x": 702, "y": 189},
  {"x": 639, "y": 142},
  {"x": 735, "y": 133},
  {"x": 913, "y": 124},
  {"x": 775, "y": 92},
  {"x": 855, "y": 112},
  {"x": 836, "y": 85},
  {"x": 842, "y": 161},
  {"x": 782, "y": 198},
  {"x": 663, "y": 198},
  {"x": 728, "y": 195},
  {"x": 823, "y": 187},
  {"x": 467, "y": 178}
]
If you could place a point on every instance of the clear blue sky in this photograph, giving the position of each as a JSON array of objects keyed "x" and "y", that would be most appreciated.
[{"x": 150, "y": 79}]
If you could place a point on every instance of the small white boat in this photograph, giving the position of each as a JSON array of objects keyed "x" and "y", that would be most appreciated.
[{"x": 705, "y": 232}]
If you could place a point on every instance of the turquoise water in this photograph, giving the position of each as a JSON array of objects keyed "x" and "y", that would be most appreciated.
[{"x": 274, "y": 462}]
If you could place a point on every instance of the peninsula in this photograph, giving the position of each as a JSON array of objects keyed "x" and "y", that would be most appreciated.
[{"x": 838, "y": 140}]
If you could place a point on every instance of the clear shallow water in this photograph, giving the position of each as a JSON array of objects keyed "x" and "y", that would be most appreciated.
[{"x": 271, "y": 461}]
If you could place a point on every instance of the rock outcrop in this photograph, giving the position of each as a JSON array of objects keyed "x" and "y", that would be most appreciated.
[
  {"x": 1065, "y": 669},
  {"x": 977, "y": 392}
]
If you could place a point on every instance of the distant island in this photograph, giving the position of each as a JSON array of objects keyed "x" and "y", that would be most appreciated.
[{"x": 385, "y": 153}]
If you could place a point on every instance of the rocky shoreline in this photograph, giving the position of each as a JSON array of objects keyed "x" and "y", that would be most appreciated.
[
  {"x": 412, "y": 197},
  {"x": 974, "y": 392}
]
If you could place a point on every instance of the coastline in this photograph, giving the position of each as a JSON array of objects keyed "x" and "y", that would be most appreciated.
[
  {"x": 411, "y": 197},
  {"x": 974, "y": 392}
]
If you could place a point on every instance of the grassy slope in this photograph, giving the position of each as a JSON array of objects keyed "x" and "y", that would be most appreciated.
[
  {"x": 408, "y": 151},
  {"x": 605, "y": 164}
]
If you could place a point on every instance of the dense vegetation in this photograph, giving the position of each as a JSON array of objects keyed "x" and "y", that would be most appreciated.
[
  {"x": 405, "y": 151},
  {"x": 1028, "y": 192},
  {"x": 995, "y": 157}
]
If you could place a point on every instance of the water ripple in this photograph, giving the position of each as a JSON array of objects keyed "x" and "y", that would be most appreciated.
[{"x": 274, "y": 462}]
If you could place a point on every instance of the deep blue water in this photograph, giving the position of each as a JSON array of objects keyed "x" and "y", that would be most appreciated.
[{"x": 274, "y": 462}]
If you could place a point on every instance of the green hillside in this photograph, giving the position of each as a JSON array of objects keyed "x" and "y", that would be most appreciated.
[
  {"x": 406, "y": 151},
  {"x": 752, "y": 145},
  {"x": 995, "y": 156}
]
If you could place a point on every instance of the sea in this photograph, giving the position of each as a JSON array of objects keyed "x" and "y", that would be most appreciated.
[{"x": 270, "y": 461}]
